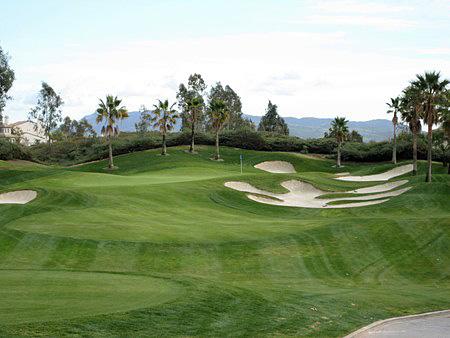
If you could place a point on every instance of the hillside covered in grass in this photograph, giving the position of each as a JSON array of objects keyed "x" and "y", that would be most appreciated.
[{"x": 160, "y": 247}]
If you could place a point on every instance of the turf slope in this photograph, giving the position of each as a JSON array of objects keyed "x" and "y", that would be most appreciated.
[{"x": 161, "y": 247}]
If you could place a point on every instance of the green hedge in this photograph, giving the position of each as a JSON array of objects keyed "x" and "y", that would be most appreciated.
[
  {"x": 13, "y": 151},
  {"x": 82, "y": 150}
]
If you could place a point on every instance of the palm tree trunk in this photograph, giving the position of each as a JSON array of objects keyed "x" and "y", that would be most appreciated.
[
  {"x": 414, "y": 152},
  {"x": 217, "y": 157},
  {"x": 394, "y": 148},
  {"x": 339, "y": 155},
  {"x": 191, "y": 149},
  {"x": 430, "y": 149},
  {"x": 111, "y": 163},
  {"x": 164, "y": 147}
]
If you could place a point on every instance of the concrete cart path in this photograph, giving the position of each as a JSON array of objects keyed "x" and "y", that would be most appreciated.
[{"x": 430, "y": 325}]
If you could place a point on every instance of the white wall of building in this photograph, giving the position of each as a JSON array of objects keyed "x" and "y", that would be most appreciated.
[{"x": 29, "y": 134}]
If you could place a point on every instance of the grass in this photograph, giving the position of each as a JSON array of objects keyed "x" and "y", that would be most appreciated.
[{"x": 160, "y": 247}]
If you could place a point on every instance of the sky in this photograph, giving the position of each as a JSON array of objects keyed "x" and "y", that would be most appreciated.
[{"x": 317, "y": 58}]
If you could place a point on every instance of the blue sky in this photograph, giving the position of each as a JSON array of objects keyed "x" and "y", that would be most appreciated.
[{"x": 312, "y": 58}]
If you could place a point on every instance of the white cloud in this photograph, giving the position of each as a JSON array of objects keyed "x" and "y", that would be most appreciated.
[
  {"x": 380, "y": 15},
  {"x": 361, "y": 20},
  {"x": 435, "y": 51},
  {"x": 360, "y": 7},
  {"x": 305, "y": 74}
]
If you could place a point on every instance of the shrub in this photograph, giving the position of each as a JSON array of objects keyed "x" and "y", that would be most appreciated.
[
  {"x": 13, "y": 151},
  {"x": 89, "y": 149}
]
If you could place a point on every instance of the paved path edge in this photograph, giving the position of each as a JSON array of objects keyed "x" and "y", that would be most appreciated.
[{"x": 384, "y": 321}]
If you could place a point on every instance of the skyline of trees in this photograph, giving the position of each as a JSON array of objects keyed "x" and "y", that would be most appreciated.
[
  {"x": 427, "y": 98},
  {"x": 47, "y": 113},
  {"x": 7, "y": 78},
  {"x": 426, "y": 101}
]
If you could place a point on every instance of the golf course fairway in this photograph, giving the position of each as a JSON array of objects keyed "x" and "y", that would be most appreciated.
[{"x": 160, "y": 247}]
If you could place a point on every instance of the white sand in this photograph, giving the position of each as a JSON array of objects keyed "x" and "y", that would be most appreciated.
[
  {"x": 379, "y": 177},
  {"x": 276, "y": 167},
  {"x": 380, "y": 188},
  {"x": 246, "y": 187},
  {"x": 342, "y": 174},
  {"x": 355, "y": 205},
  {"x": 18, "y": 197},
  {"x": 304, "y": 195},
  {"x": 372, "y": 196}
]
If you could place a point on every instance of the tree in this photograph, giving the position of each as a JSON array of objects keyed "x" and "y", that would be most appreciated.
[
  {"x": 272, "y": 122},
  {"x": 83, "y": 128},
  {"x": 192, "y": 106},
  {"x": 339, "y": 129},
  {"x": 195, "y": 109},
  {"x": 432, "y": 92},
  {"x": 354, "y": 136},
  {"x": 445, "y": 119},
  {"x": 110, "y": 112},
  {"x": 143, "y": 126},
  {"x": 65, "y": 129},
  {"x": 164, "y": 117},
  {"x": 6, "y": 80},
  {"x": 18, "y": 134},
  {"x": 47, "y": 113},
  {"x": 411, "y": 113},
  {"x": 233, "y": 105},
  {"x": 440, "y": 144},
  {"x": 218, "y": 116},
  {"x": 72, "y": 128},
  {"x": 195, "y": 89},
  {"x": 394, "y": 107}
]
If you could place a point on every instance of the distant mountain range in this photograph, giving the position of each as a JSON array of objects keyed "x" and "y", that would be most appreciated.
[{"x": 304, "y": 127}]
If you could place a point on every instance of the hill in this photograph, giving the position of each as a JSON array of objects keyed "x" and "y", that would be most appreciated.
[
  {"x": 304, "y": 127},
  {"x": 312, "y": 127}
]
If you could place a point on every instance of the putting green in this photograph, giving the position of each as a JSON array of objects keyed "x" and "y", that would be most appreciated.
[
  {"x": 28, "y": 296},
  {"x": 229, "y": 266}
]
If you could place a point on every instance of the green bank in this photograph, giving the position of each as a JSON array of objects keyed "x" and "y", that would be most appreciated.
[{"x": 160, "y": 247}]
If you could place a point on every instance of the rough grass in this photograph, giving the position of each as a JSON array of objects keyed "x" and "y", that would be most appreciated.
[{"x": 160, "y": 247}]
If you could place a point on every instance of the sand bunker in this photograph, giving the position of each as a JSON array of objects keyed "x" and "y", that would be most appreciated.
[
  {"x": 380, "y": 188},
  {"x": 379, "y": 177},
  {"x": 276, "y": 167},
  {"x": 304, "y": 195},
  {"x": 18, "y": 197}
]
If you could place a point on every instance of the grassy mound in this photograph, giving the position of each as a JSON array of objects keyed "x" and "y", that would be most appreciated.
[
  {"x": 161, "y": 227},
  {"x": 36, "y": 296}
]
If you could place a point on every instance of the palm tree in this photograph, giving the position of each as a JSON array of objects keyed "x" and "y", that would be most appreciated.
[
  {"x": 339, "y": 129},
  {"x": 394, "y": 107},
  {"x": 164, "y": 119},
  {"x": 432, "y": 90},
  {"x": 218, "y": 116},
  {"x": 110, "y": 111},
  {"x": 194, "y": 110},
  {"x": 411, "y": 112}
]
